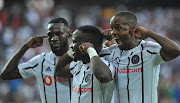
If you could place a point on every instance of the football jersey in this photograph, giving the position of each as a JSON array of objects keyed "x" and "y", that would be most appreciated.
[
  {"x": 52, "y": 89},
  {"x": 137, "y": 72},
  {"x": 86, "y": 87}
]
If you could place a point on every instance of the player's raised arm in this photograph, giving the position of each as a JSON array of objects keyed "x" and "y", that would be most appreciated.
[
  {"x": 10, "y": 70},
  {"x": 100, "y": 70},
  {"x": 170, "y": 49},
  {"x": 62, "y": 66}
]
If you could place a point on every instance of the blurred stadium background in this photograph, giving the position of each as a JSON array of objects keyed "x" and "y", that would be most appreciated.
[{"x": 21, "y": 19}]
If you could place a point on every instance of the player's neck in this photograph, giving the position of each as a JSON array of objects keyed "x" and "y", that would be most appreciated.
[{"x": 133, "y": 43}]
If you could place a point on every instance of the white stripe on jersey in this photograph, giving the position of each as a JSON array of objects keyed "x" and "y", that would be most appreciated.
[
  {"x": 52, "y": 89},
  {"x": 137, "y": 73},
  {"x": 86, "y": 88}
]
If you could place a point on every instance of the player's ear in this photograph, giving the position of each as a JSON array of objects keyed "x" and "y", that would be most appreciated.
[
  {"x": 135, "y": 33},
  {"x": 138, "y": 35}
]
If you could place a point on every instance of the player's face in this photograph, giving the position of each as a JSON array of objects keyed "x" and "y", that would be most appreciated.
[
  {"x": 57, "y": 33},
  {"x": 120, "y": 30},
  {"x": 77, "y": 40}
]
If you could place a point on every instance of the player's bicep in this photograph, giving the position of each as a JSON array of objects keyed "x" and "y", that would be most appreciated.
[
  {"x": 13, "y": 75},
  {"x": 110, "y": 66},
  {"x": 164, "y": 56},
  {"x": 67, "y": 70}
]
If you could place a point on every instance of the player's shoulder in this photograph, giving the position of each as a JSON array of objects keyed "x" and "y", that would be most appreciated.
[
  {"x": 38, "y": 57},
  {"x": 44, "y": 56},
  {"x": 108, "y": 50},
  {"x": 48, "y": 56},
  {"x": 150, "y": 44},
  {"x": 74, "y": 64},
  {"x": 106, "y": 60},
  {"x": 103, "y": 58}
]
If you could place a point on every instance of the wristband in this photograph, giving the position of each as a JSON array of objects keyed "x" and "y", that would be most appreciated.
[
  {"x": 104, "y": 41},
  {"x": 92, "y": 52},
  {"x": 70, "y": 53}
]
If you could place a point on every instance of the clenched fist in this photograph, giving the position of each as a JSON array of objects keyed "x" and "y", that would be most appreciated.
[
  {"x": 35, "y": 41},
  {"x": 84, "y": 46},
  {"x": 141, "y": 32},
  {"x": 107, "y": 34}
]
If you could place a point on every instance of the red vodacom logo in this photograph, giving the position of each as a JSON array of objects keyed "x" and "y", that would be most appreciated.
[{"x": 48, "y": 80}]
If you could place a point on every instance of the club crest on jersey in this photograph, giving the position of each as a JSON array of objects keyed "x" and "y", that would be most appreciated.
[
  {"x": 88, "y": 78},
  {"x": 135, "y": 59}
]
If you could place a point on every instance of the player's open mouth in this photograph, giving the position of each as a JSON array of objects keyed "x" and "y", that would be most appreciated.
[{"x": 56, "y": 44}]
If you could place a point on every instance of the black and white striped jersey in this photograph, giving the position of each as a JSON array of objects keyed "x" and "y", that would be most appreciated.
[
  {"x": 86, "y": 87},
  {"x": 52, "y": 89},
  {"x": 137, "y": 72}
]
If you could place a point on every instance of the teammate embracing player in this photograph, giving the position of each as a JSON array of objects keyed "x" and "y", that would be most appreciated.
[
  {"x": 137, "y": 61},
  {"x": 55, "y": 90}
]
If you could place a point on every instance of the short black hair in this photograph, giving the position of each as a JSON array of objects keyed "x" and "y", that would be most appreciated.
[
  {"x": 131, "y": 18},
  {"x": 59, "y": 20},
  {"x": 93, "y": 34}
]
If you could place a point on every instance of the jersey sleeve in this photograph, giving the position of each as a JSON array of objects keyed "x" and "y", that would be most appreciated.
[
  {"x": 73, "y": 66},
  {"x": 158, "y": 59},
  {"x": 155, "y": 50},
  {"x": 30, "y": 67}
]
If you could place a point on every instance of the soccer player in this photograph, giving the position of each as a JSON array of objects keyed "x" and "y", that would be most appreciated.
[
  {"x": 52, "y": 89},
  {"x": 137, "y": 61},
  {"x": 92, "y": 74}
]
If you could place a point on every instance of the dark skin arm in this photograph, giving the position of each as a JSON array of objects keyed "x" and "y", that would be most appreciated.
[
  {"x": 99, "y": 68},
  {"x": 10, "y": 70},
  {"x": 170, "y": 49},
  {"x": 62, "y": 66}
]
